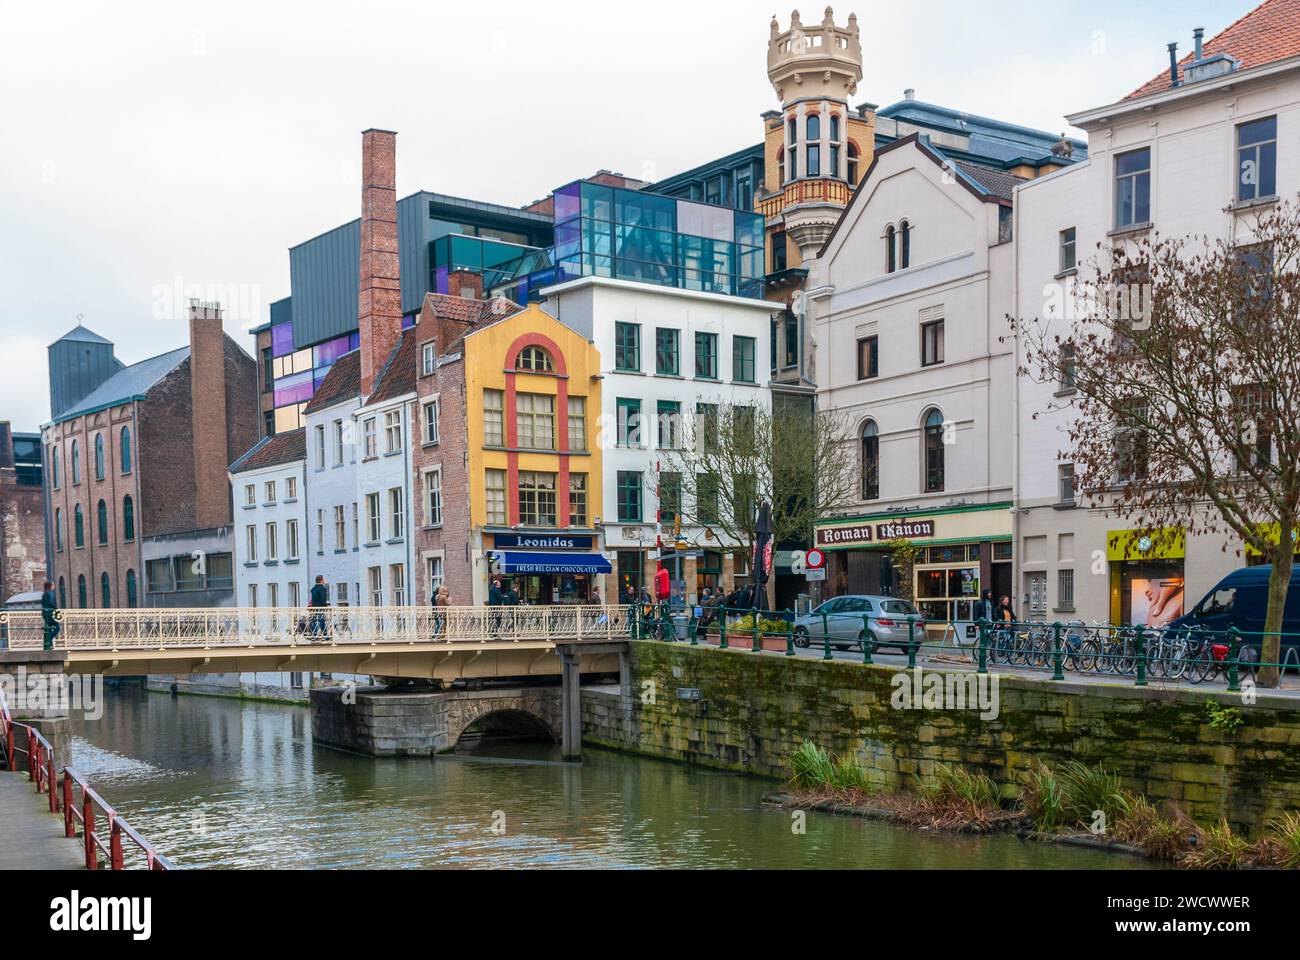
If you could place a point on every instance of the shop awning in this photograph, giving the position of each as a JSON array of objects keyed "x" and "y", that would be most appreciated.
[{"x": 527, "y": 562}]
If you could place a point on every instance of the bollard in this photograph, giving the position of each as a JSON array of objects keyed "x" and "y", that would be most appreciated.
[
  {"x": 1139, "y": 645},
  {"x": 911, "y": 644},
  {"x": 826, "y": 638},
  {"x": 757, "y": 646},
  {"x": 692, "y": 627},
  {"x": 984, "y": 646},
  {"x": 722, "y": 630},
  {"x": 789, "y": 635},
  {"x": 1059, "y": 672},
  {"x": 1234, "y": 654},
  {"x": 867, "y": 642}
]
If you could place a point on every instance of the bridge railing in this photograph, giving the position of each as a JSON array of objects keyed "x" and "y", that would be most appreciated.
[
  {"x": 41, "y": 768},
  {"x": 162, "y": 628}
]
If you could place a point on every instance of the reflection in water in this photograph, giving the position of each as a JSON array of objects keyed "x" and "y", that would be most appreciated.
[{"x": 222, "y": 783}]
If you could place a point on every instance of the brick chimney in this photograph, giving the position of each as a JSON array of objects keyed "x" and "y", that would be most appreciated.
[
  {"x": 379, "y": 312},
  {"x": 208, "y": 413}
]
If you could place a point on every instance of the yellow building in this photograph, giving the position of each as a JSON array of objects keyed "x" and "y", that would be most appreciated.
[{"x": 532, "y": 397}]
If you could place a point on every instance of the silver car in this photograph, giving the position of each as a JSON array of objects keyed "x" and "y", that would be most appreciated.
[{"x": 847, "y": 620}]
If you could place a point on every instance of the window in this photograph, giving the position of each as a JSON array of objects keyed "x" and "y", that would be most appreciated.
[
  {"x": 1133, "y": 188},
  {"x": 396, "y": 514},
  {"x": 341, "y": 527},
  {"x": 932, "y": 343},
  {"x": 428, "y": 358},
  {"x": 338, "y": 443},
  {"x": 295, "y": 594},
  {"x": 1254, "y": 410},
  {"x": 578, "y": 424},
  {"x": 933, "y": 444},
  {"x": 535, "y": 421},
  {"x": 393, "y": 431},
  {"x": 221, "y": 571},
  {"x": 1065, "y": 480},
  {"x": 320, "y": 447},
  {"x": 577, "y": 499},
  {"x": 494, "y": 418},
  {"x": 369, "y": 441},
  {"x": 853, "y": 163},
  {"x": 320, "y": 531},
  {"x": 250, "y": 544},
  {"x": 376, "y": 578},
  {"x": 667, "y": 342},
  {"x": 1065, "y": 589},
  {"x": 132, "y": 590},
  {"x": 105, "y": 591},
  {"x": 1131, "y": 444},
  {"x": 792, "y": 150},
  {"x": 63, "y": 593},
  {"x": 814, "y": 147},
  {"x": 374, "y": 529},
  {"x": 779, "y": 256},
  {"x": 397, "y": 577},
  {"x": 159, "y": 574},
  {"x": 128, "y": 518},
  {"x": 791, "y": 324},
  {"x": 272, "y": 543},
  {"x": 706, "y": 356},
  {"x": 76, "y": 463},
  {"x": 81, "y": 591},
  {"x": 629, "y": 496},
  {"x": 433, "y": 570},
  {"x": 834, "y": 169},
  {"x": 706, "y": 426},
  {"x": 904, "y": 245},
  {"x": 534, "y": 359},
  {"x": 706, "y": 497},
  {"x": 627, "y": 347},
  {"x": 124, "y": 439},
  {"x": 250, "y": 494},
  {"x": 101, "y": 521},
  {"x": 58, "y": 529},
  {"x": 629, "y": 422},
  {"x": 868, "y": 358},
  {"x": 780, "y": 164},
  {"x": 356, "y": 529},
  {"x": 431, "y": 410},
  {"x": 536, "y": 499},
  {"x": 670, "y": 419},
  {"x": 891, "y": 249},
  {"x": 496, "y": 497},
  {"x": 870, "y": 461},
  {"x": 433, "y": 497},
  {"x": 78, "y": 527},
  {"x": 670, "y": 497},
  {"x": 268, "y": 370},
  {"x": 1067, "y": 369},
  {"x": 99, "y": 456},
  {"x": 252, "y": 595},
  {"x": 291, "y": 540},
  {"x": 742, "y": 360},
  {"x": 290, "y": 488},
  {"x": 1257, "y": 159},
  {"x": 1069, "y": 259},
  {"x": 54, "y": 465},
  {"x": 270, "y": 491}
]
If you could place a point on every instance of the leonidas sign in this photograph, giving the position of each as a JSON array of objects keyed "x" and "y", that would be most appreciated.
[{"x": 875, "y": 533}]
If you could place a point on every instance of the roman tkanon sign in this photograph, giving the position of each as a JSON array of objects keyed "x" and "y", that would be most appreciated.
[{"x": 875, "y": 532}]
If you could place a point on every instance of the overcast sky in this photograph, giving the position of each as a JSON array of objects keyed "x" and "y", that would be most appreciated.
[{"x": 146, "y": 147}]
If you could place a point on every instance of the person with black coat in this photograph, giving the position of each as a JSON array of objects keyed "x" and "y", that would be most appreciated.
[
  {"x": 49, "y": 622},
  {"x": 319, "y": 601}
]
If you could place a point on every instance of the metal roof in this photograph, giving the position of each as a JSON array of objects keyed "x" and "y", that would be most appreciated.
[{"x": 129, "y": 383}]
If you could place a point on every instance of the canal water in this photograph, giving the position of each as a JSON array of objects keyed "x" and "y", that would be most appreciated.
[{"x": 224, "y": 783}]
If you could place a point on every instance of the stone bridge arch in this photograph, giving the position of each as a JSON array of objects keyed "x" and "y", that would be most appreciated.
[{"x": 535, "y": 709}]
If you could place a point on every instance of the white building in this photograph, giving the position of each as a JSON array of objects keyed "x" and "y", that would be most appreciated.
[
  {"x": 270, "y": 500},
  {"x": 1199, "y": 157},
  {"x": 666, "y": 353}
]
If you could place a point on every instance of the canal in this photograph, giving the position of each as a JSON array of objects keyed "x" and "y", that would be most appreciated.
[{"x": 224, "y": 783}]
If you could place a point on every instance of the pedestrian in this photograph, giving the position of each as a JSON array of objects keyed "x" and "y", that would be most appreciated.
[
  {"x": 319, "y": 602},
  {"x": 985, "y": 610},
  {"x": 1005, "y": 611},
  {"x": 512, "y": 595},
  {"x": 49, "y": 620},
  {"x": 496, "y": 598},
  {"x": 441, "y": 599}
]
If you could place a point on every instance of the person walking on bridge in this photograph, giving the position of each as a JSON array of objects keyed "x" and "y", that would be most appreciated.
[
  {"x": 320, "y": 601},
  {"x": 49, "y": 622}
]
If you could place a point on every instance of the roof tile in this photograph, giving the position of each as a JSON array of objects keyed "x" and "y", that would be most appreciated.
[
  {"x": 272, "y": 451},
  {"x": 343, "y": 382}
]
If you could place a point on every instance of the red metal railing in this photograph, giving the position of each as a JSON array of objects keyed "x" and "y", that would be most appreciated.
[{"x": 41, "y": 768}]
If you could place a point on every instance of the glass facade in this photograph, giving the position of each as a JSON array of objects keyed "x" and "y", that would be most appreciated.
[
  {"x": 295, "y": 374},
  {"x": 603, "y": 231}
]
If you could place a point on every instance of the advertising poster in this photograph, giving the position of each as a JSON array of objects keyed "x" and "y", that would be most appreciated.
[{"x": 1155, "y": 601}]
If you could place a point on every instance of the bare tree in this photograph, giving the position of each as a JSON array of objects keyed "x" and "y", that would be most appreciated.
[
  {"x": 729, "y": 458},
  {"x": 1184, "y": 360}
]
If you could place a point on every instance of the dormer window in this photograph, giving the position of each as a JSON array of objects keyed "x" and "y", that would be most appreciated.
[{"x": 535, "y": 360}]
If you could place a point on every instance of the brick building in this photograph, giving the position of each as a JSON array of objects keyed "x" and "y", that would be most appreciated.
[
  {"x": 22, "y": 523},
  {"x": 137, "y": 499}
]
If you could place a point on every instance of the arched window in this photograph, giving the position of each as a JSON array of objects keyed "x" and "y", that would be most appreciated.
[
  {"x": 870, "y": 461},
  {"x": 891, "y": 251},
  {"x": 834, "y": 170},
  {"x": 78, "y": 527},
  {"x": 54, "y": 467},
  {"x": 904, "y": 245},
  {"x": 105, "y": 592},
  {"x": 99, "y": 456},
  {"x": 933, "y": 449},
  {"x": 58, "y": 529},
  {"x": 101, "y": 520},
  {"x": 814, "y": 137},
  {"x": 853, "y": 163},
  {"x": 535, "y": 359},
  {"x": 132, "y": 590},
  {"x": 76, "y": 463},
  {"x": 128, "y": 518},
  {"x": 126, "y": 449},
  {"x": 780, "y": 166},
  {"x": 792, "y": 150},
  {"x": 63, "y": 593},
  {"x": 81, "y": 591}
]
